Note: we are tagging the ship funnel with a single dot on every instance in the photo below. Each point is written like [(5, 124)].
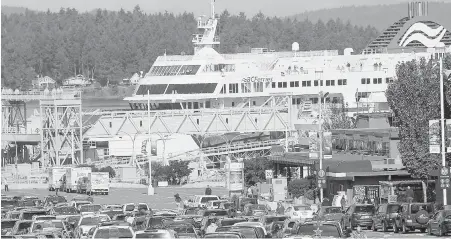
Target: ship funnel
[(417, 9)]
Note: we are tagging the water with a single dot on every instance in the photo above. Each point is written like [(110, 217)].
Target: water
[(88, 104)]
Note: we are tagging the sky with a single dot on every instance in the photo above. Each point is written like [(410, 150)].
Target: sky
[(250, 7)]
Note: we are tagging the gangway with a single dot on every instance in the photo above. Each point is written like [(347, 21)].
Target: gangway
[(201, 121), (260, 147)]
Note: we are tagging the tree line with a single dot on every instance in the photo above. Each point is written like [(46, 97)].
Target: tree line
[(112, 45)]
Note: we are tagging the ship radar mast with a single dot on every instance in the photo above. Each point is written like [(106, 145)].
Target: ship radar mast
[(207, 38)]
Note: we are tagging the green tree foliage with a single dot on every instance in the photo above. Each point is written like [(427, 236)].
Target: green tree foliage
[(176, 170), (109, 46), (254, 170), (303, 187), (414, 98), (109, 170)]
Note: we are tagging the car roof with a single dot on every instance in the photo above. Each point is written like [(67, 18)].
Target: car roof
[(250, 224)]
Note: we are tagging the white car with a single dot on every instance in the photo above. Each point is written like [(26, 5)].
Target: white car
[(215, 204), (112, 230), (299, 212), (77, 204), (89, 221), (201, 200)]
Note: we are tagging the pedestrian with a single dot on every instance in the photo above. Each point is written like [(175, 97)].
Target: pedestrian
[(409, 194), (280, 210), (358, 233), (212, 227), (208, 190), (254, 191), (5, 182), (249, 192), (343, 203), (178, 200), (57, 187)]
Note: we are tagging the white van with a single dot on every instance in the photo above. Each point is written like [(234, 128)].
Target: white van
[(201, 200)]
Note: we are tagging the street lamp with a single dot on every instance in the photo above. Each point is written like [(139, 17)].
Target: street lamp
[(150, 189), (133, 145)]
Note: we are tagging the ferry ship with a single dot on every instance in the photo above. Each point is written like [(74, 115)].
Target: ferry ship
[(209, 79)]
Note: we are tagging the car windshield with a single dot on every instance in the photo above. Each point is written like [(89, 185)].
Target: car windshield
[(257, 207), (231, 222), (129, 207), (90, 208), (332, 210), (29, 215), (65, 210), (47, 224), (248, 232), (8, 224), (78, 204), (154, 235), (8, 203), (326, 230), (269, 220), (207, 199), (73, 219), (393, 208), (418, 207), (215, 213), (93, 220), (57, 199), (366, 208), (302, 208), (222, 235), (180, 228), (142, 206), (113, 232)]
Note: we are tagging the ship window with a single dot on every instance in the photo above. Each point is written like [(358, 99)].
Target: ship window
[(374, 80), (188, 70), (306, 83), (233, 88), (294, 83), (284, 84), (365, 81), (389, 80), (207, 104), (246, 87), (328, 82), (316, 82), (279, 84), (332, 82), (184, 105), (190, 105), (273, 84), (153, 89), (233, 104), (342, 81), (379, 80), (200, 88), (254, 102), (223, 89), (258, 86)]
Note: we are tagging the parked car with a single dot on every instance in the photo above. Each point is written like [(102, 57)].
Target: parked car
[(358, 214), (385, 216), (299, 212), (328, 230), (414, 216), (247, 231), (156, 233), (329, 213), (255, 210), (228, 234), (440, 223)]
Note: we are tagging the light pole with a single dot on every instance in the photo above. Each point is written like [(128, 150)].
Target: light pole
[(442, 117), (133, 161), (150, 189)]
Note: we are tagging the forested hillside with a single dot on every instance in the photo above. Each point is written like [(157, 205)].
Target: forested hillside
[(112, 45), (381, 16)]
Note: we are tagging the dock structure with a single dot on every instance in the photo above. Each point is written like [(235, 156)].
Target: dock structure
[(60, 131)]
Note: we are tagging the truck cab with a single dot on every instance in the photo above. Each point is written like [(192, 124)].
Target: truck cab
[(82, 185)]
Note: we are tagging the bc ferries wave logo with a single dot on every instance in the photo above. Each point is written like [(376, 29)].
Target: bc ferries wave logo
[(428, 36)]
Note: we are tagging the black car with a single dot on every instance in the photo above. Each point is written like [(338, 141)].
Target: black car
[(413, 216), (385, 216), (358, 214), (325, 229), (440, 223)]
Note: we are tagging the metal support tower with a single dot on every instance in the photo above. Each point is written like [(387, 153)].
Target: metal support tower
[(14, 116), (61, 134)]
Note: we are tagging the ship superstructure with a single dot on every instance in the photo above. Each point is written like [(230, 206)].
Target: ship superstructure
[(208, 79)]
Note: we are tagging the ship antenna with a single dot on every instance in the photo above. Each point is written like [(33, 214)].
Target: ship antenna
[(213, 9)]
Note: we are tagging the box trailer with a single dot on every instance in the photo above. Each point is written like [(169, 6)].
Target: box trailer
[(73, 175)]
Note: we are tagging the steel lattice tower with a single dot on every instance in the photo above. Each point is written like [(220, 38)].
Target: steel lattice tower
[(61, 134)]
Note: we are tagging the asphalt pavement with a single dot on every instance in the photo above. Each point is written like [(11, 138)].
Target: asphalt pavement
[(164, 199)]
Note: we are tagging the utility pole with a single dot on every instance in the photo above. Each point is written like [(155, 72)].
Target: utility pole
[(150, 189), (320, 132), (442, 119)]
